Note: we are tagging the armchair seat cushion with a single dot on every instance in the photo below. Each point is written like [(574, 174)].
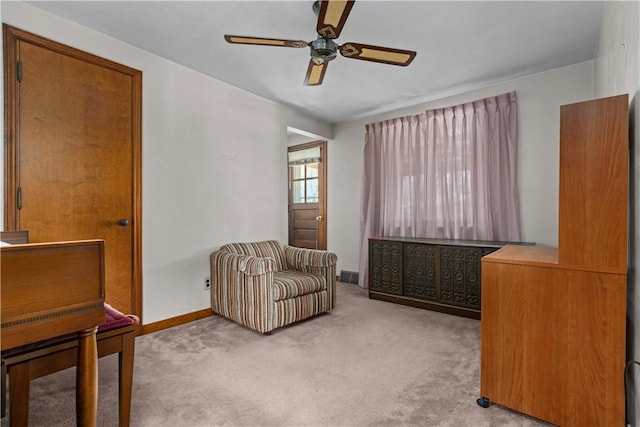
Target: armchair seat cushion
[(292, 283)]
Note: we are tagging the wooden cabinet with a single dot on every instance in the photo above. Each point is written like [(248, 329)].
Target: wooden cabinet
[(553, 320), (440, 275)]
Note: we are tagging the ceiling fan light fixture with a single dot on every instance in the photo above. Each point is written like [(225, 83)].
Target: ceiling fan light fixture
[(323, 50)]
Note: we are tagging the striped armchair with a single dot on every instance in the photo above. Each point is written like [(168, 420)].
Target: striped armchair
[(264, 285)]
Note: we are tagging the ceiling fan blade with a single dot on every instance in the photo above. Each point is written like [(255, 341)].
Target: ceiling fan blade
[(384, 55), (264, 41), (315, 73), (332, 16)]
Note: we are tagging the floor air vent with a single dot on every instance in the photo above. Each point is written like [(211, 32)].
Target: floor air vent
[(348, 276)]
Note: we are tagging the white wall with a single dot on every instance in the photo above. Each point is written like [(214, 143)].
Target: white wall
[(617, 71), (539, 99), (213, 164)]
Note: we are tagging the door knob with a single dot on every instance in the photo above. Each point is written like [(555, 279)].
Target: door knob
[(319, 218), (123, 222)]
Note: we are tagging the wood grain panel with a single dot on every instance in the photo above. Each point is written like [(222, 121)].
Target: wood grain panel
[(595, 347), (34, 280), (553, 342), (14, 236), (502, 319), (517, 327), (50, 289), (76, 178), (594, 153)]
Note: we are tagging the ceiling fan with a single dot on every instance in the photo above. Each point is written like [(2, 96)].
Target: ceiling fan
[(332, 15)]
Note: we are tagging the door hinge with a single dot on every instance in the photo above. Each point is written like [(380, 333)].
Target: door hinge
[(19, 198), (19, 71)]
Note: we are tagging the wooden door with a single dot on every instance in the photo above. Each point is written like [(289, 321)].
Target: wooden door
[(307, 198), (73, 154)]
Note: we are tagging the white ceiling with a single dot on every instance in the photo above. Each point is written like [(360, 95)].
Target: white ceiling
[(461, 45)]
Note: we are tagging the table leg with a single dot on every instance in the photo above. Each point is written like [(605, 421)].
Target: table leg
[(87, 379), (19, 376)]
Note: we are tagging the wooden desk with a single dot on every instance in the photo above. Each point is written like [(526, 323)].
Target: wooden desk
[(553, 320), (553, 337), (49, 290)]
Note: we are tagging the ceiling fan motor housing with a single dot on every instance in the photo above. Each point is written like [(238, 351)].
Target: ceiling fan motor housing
[(323, 50)]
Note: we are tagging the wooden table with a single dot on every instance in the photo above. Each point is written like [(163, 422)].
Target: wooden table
[(49, 290)]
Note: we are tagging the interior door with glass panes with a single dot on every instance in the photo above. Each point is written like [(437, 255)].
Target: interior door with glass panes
[(307, 195)]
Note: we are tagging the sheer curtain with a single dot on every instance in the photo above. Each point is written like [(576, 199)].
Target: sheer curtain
[(447, 173)]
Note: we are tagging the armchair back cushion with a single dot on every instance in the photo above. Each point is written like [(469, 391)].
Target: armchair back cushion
[(267, 249)]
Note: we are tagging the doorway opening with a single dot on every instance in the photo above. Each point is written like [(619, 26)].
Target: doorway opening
[(307, 170)]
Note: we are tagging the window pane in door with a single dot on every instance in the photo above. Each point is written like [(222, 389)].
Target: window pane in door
[(312, 170), (298, 192), (312, 190), (298, 171)]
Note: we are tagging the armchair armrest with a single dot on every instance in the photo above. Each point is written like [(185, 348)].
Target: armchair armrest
[(239, 284), (317, 262), (303, 259)]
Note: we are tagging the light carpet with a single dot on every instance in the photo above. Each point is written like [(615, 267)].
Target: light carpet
[(366, 363)]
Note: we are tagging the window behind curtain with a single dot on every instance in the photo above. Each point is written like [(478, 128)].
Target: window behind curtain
[(447, 173)]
